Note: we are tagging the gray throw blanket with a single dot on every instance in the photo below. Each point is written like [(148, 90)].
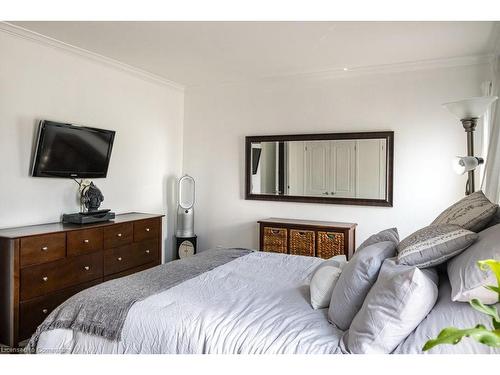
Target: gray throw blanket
[(102, 309)]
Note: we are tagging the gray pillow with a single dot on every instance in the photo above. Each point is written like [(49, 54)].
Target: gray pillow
[(467, 280), (355, 281), (434, 245), (473, 212), (397, 303), (385, 235)]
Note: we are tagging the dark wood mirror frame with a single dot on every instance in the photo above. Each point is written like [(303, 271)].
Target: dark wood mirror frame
[(387, 135)]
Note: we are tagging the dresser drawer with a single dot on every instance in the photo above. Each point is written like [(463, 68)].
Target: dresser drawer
[(84, 241), (42, 249), (302, 242), (33, 312), (118, 235), (42, 279), (130, 271), (146, 230), (125, 257), (275, 240), (330, 244)]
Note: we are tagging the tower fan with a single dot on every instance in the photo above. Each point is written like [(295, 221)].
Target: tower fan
[(185, 237)]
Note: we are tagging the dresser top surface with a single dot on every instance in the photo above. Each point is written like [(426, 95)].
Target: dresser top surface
[(315, 223), (36, 230)]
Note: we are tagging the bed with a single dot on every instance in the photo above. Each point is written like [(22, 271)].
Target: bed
[(258, 303)]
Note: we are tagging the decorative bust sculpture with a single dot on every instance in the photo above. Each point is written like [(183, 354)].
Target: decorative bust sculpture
[(91, 197)]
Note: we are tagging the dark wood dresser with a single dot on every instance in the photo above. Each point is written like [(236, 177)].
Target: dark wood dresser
[(322, 239), (43, 265)]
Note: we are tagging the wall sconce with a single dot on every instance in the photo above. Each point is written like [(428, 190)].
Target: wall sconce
[(463, 164), (469, 111)]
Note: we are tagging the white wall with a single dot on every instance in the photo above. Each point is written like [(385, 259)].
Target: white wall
[(41, 82), (426, 138)]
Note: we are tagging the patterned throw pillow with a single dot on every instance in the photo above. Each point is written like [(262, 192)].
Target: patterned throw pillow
[(434, 245), (495, 220), (473, 212)]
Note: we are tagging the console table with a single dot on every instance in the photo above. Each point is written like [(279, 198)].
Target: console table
[(323, 239), (43, 265)]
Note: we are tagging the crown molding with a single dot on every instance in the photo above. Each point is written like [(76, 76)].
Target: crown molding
[(32, 36), (340, 73), (327, 74), (408, 66)]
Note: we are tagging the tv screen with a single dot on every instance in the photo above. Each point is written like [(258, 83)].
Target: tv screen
[(66, 150)]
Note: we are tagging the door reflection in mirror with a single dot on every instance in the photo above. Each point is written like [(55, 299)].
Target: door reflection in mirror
[(340, 168)]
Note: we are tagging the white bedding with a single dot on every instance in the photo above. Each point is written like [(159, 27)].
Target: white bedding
[(258, 303)]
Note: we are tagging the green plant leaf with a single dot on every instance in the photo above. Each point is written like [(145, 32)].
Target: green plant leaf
[(496, 325), (454, 335), (488, 310)]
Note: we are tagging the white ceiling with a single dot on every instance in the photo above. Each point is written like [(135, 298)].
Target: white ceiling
[(194, 53)]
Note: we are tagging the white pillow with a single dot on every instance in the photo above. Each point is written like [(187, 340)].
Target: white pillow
[(324, 279)]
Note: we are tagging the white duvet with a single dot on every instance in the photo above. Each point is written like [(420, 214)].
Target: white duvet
[(258, 303)]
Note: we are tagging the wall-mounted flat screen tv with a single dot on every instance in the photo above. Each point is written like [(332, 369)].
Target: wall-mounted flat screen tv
[(66, 150)]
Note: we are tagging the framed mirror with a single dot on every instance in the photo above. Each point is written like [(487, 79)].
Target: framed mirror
[(335, 168)]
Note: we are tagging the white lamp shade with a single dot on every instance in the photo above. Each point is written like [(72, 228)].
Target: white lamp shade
[(464, 164), (470, 108)]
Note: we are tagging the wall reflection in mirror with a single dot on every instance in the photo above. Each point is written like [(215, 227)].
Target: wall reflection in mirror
[(331, 168)]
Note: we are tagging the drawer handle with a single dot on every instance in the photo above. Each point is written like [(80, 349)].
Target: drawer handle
[(45, 278), (119, 259), (86, 268), (45, 248), (302, 233), (147, 229), (147, 251), (45, 311), (119, 235), (275, 231), (332, 236), (85, 241)]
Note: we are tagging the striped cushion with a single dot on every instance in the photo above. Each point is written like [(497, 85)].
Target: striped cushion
[(473, 212), (434, 245)]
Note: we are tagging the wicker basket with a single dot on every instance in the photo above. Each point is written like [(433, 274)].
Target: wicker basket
[(275, 240), (330, 244), (302, 242)]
